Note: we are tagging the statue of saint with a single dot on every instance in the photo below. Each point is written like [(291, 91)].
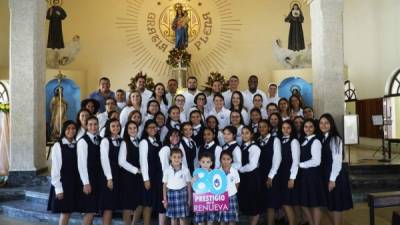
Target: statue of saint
[(181, 27), (58, 109), (55, 14), (296, 37)]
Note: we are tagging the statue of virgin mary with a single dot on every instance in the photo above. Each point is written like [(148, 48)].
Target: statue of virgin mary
[(180, 26), (58, 109)]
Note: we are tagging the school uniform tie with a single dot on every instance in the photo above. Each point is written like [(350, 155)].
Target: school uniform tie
[(177, 126), (96, 140), (226, 146), (191, 144), (206, 146), (285, 140)]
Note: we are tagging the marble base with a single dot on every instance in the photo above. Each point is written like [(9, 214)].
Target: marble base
[(27, 178)]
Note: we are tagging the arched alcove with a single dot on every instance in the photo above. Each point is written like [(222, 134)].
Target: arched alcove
[(289, 84)]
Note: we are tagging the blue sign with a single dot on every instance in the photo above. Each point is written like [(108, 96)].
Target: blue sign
[(214, 182)]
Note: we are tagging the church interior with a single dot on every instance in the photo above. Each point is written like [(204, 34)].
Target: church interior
[(348, 65)]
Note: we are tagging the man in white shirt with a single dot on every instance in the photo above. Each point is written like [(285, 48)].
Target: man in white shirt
[(216, 88), (191, 92), (233, 86), (121, 99), (273, 94), (111, 105), (141, 87), (253, 90), (172, 87), (219, 111)]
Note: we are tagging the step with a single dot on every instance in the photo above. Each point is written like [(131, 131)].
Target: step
[(374, 169), (39, 195), (361, 195), (375, 181)]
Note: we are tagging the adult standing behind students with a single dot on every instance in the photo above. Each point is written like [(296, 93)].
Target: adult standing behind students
[(253, 90), (145, 93), (103, 93), (172, 87), (190, 93), (216, 88), (233, 86), (272, 94)]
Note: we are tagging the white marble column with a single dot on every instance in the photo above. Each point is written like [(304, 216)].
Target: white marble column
[(27, 84), (327, 58)]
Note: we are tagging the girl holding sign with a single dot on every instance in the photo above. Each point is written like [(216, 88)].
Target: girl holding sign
[(232, 215), (177, 191), (249, 176)]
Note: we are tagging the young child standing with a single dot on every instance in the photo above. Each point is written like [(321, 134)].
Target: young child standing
[(210, 146), (207, 218), (232, 215), (288, 171), (177, 191), (249, 177)]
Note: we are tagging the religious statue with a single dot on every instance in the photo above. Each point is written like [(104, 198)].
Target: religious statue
[(61, 57), (58, 109), (55, 14), (181, 27), (296, 37), (292, 59)]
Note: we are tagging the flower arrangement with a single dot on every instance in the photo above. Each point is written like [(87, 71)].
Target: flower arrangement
[(4, 107), (213, 77), (179, 58), (149, 81)]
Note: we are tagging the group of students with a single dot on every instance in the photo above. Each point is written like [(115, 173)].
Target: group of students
[(145, 165)]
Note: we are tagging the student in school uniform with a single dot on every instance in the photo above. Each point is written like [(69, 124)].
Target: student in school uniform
[(64, 174), (150, 166), (335, 175), (81, 118), (298, 123), (236, 120), (296, 106), (189, 146), (209, 145), (153, 107), (109, 200), (269, 162), (134, 103), (136, 117), (255, 118), (272, 108), (212, 123), (231, 146), (172, 140), (288, 170), (89, 167), (237, 103), (177, 190), (110, 106), (206, 162), (111, 115), (275, 122), (249, 177), (284, 110), (160, 96), (180, 102), (220, 111), (216, 88), (160, 120), (173, 121), (200, 102), (232, 215), (131, 181), (311, 187), (258, 104), (198, 127)]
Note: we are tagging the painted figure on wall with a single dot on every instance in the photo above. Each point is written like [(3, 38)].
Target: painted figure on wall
[(181, 26), (296, 37), (58, 109), (55, 14)]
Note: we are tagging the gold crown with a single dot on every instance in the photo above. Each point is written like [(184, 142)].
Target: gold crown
[(178, 5)]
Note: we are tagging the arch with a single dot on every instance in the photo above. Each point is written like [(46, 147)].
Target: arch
[(4, 95), (393, 84), (349, 91), (306, 89)]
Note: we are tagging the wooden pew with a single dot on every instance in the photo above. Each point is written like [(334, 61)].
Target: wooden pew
[(381, 200)]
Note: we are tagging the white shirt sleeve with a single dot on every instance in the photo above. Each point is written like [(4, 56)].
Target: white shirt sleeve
[(105, 161), (315, 156), (187, 175), (220, 137), (237, 177), (164, 132), (123, 117), (122, 160), (165, 176), (254, 155), (276, 158), (295, 147), (56, 163), (217, 163), (184, 161), (82, 149), (237, 158), (337, 151), (246, 118), (144, 166), (164, 157)]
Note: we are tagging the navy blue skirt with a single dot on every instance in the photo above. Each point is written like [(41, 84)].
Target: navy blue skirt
[(311, 190), (65, 205), (250, 187), (340, 198), (131, 190), (288, 196), (154, 196), (109, 199)]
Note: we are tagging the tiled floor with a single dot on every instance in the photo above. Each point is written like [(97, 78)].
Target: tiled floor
[(358, 216), (368, 156)]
